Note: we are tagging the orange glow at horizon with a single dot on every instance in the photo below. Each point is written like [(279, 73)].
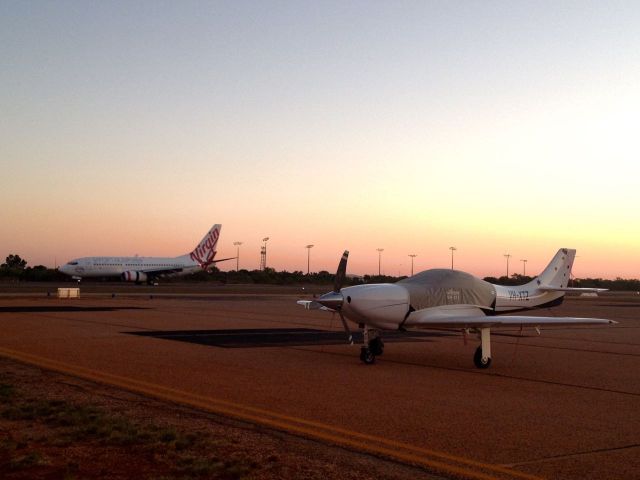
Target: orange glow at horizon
[(515, 140)]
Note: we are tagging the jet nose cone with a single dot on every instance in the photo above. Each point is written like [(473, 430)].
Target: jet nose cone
[(332, 300)]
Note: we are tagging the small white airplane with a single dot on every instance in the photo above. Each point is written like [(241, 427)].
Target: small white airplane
[(449, 299), (147, 269)]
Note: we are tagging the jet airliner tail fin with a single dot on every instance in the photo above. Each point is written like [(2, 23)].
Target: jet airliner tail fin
[(205, 251)]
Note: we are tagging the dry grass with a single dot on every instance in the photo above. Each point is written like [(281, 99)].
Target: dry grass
[(66, 424)]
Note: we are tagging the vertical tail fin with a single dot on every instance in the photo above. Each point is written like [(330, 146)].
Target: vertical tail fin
[(558, 272), (205, 251)]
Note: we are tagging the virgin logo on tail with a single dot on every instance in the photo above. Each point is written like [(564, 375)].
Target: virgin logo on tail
[(204, 253)]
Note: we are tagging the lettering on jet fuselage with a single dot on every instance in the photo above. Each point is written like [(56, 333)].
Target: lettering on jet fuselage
[(521, 295)]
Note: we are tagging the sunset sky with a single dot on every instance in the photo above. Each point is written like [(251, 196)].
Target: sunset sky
[(496, 127)]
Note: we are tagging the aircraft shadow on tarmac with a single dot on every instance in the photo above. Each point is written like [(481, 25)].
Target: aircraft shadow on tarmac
[(66, 308), (278, 337)]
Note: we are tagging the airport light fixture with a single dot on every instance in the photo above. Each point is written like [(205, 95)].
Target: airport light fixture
[(412, 255), (380, 250), (263, 253), (453, 249), (237, 244), (524, 266), (507, 256), (308, 247)]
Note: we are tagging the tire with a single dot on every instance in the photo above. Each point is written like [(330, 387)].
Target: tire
[(376, 346), (477, 359), (367, 356)]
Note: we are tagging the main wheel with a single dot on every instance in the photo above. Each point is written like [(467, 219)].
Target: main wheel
[(367, 356), (477, 359), (377, 346)]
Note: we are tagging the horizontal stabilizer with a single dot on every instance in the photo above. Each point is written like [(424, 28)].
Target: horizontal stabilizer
[(224, 259), (548, 288)]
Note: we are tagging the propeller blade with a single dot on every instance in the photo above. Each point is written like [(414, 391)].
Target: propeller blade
[(342, 270), (346, 327)]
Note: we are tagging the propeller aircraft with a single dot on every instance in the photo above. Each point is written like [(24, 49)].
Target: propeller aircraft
[(449, 299)]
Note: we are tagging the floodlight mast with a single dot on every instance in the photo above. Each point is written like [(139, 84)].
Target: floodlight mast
[(524, 266), (453, 249), (308, 247), (380, 250), (237, 244), (263, 253), (412, 255)]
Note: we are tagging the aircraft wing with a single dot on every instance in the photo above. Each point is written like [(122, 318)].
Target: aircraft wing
[(156, 272), (471, 316)]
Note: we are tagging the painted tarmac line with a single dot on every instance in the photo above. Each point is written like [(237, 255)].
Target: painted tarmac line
[(572, 455), (437, 462)]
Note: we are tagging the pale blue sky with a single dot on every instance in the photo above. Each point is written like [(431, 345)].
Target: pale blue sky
[(264, 115)]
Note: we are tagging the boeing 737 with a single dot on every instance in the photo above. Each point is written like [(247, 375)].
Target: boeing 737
[(450, 299), (147, 269)]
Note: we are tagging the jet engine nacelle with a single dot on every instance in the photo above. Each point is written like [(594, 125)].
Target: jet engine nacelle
[(133, 276), (382, 305)]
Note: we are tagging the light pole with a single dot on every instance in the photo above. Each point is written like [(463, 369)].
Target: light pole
[(507, 255), (237, 244), (308, 247), (412, 255), (263, 253), (380, 250), (453, 249), (524, 267)]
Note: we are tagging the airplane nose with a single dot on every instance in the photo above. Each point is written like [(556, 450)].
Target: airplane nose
[(332, 300), (66, 269)]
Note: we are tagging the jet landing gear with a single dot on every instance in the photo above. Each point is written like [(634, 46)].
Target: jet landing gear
[(373, 346), (482, 357)]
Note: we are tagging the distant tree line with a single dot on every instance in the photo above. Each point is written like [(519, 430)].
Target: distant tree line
[(619, 284), (514, 280), (272, 277), (15, 269)]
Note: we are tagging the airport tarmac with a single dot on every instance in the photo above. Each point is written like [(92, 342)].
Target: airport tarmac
[(565, 404)]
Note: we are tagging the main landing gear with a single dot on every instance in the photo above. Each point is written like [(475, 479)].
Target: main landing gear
[(373, 345), (482, 357)]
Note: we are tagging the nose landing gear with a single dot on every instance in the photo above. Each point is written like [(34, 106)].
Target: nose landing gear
[(373, 346), (367, 356)]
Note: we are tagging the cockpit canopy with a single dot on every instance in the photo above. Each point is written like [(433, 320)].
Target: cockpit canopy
[(440, 286)]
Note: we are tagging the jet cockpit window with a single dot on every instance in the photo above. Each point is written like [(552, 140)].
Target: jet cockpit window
[(72, 263)]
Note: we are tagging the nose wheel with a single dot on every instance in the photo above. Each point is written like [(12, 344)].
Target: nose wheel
[(373, 346), (367, 356)]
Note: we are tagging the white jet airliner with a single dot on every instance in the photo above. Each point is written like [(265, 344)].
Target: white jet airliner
[(449, 299), (147, 269)]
